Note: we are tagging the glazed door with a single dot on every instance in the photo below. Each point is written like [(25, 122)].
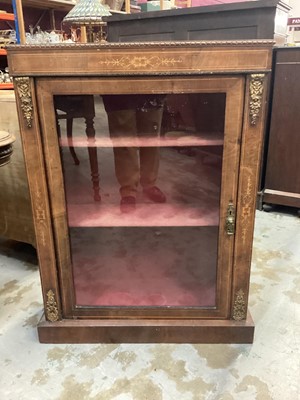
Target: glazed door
[(143, 181)]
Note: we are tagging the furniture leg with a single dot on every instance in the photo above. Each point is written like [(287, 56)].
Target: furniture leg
[(90, 132), (70, 141)]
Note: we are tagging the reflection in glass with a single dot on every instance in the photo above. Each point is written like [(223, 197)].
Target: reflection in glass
[(137, 116), (160, 248)]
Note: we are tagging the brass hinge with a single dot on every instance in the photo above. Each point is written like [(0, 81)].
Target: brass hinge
[(230, 219)]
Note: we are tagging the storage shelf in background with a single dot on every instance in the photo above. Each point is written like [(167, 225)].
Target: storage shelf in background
[(6, 85), (63, 5), (203, 139)]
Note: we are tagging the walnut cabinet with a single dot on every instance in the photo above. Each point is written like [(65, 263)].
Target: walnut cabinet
[(101, 122)]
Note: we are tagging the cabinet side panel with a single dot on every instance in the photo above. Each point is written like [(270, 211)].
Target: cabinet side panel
[(247, 189), (34, 159), (57, 194)]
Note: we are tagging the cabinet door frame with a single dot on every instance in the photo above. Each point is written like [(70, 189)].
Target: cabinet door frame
[(249, 170), (46, 88)]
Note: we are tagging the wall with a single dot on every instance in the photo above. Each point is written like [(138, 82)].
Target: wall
[(295, 4), (293, 32)]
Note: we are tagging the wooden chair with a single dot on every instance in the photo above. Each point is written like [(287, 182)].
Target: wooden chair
[(80, 106)]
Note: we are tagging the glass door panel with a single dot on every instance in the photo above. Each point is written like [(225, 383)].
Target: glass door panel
[(142, 177)]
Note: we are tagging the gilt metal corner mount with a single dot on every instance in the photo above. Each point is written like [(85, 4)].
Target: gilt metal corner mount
[(256, 92), (24, 93)]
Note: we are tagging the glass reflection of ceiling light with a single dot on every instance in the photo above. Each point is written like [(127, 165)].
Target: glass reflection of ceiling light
[(89, 13)]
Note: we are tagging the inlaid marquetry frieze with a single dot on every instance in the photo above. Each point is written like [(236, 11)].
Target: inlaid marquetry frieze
[(140, 62), (150, 58), (23, 89), (256, 92)]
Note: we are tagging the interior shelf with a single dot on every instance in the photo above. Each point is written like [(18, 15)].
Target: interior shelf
[(146, 215), (195, 139)]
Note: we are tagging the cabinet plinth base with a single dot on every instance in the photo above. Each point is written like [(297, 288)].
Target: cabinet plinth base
[(146, 331), (281, 198)]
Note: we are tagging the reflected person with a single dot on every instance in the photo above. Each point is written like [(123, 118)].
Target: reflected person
[(131, 116)]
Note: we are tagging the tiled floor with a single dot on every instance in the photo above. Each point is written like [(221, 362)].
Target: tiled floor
[(269, 369)]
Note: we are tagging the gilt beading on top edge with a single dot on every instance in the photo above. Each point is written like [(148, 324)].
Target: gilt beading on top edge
[(204, 43)]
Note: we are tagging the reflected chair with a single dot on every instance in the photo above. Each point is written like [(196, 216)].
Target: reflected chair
[(77, 106)]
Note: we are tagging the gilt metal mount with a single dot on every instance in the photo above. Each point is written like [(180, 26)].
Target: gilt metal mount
[(52, 313), (256, 92), (230, 220), (239, 307), (24, 92)]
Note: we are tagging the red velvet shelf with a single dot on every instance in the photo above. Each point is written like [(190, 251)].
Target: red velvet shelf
[(158, 275), (203, 139), (146, 215)]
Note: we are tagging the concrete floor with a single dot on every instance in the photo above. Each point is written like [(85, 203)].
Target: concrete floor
[(269, 369)]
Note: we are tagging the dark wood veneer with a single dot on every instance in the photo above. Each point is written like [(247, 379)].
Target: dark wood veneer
[(282, 177), (189, 67)]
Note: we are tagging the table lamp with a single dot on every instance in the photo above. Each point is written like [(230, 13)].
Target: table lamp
[(89, 13)]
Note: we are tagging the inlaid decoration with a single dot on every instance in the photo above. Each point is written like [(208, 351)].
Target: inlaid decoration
[(256, 92), (140, 62), (40, 214), (239, 307), (51, 307), (247, 198), (24, 92)]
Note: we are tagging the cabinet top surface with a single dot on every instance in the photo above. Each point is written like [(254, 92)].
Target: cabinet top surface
[(287, 48), (188, 57), (230, 7)]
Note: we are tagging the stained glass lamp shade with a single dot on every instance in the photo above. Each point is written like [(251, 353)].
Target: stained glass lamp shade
[(88, 13)]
